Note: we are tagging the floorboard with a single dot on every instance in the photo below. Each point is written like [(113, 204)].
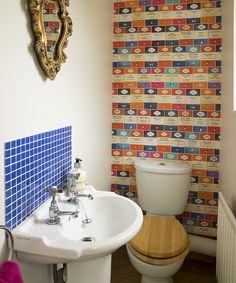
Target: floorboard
[(196, 269)]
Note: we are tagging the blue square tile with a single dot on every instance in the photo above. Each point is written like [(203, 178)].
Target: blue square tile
[(13, 144), (7, 145)]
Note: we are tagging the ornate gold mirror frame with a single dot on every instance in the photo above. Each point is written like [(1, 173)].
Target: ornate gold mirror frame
[(51, 27)]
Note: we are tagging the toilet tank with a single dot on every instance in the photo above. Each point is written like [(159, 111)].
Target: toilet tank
[(163, 186)]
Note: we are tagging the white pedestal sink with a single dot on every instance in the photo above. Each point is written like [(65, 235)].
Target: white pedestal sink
[(86, 248)]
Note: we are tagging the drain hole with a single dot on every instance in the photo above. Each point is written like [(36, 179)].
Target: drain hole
[(88, 239)]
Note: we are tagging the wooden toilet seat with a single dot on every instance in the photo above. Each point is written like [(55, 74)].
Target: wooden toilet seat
[(162, 240)]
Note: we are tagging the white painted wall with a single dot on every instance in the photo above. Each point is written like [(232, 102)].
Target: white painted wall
[(80, 96), (228, 136)]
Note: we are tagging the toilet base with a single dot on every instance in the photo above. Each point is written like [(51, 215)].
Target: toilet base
[(155, 273), (146, 279)]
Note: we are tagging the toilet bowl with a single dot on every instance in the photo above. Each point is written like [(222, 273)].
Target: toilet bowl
[(160, 247)]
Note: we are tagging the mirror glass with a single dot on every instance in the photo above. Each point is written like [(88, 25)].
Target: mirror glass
[(52, 27)]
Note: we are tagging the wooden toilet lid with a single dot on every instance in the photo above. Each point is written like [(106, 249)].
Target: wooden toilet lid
[(158, 261), (160, 237)]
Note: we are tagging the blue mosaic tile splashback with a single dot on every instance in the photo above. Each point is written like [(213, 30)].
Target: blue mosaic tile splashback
[(32, 164)]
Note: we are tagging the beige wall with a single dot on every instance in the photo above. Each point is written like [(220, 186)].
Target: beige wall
[(228, 136), (80, 96)]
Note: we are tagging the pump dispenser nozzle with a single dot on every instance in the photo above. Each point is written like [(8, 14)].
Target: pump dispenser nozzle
[(77, 163)]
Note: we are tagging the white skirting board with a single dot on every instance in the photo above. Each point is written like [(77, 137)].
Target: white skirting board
[(202, 245)]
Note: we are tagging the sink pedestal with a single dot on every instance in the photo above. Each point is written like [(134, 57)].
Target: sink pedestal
[(92, 271)]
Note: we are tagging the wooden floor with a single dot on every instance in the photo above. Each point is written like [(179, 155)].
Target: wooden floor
[(196, 269)]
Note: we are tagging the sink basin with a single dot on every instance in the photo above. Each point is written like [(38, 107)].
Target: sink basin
[(115, 221)]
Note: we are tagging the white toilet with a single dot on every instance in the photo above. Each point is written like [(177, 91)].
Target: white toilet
[(158, 250)]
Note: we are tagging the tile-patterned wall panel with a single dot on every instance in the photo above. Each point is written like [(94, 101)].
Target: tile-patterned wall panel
[(32, 164), (166, 96)]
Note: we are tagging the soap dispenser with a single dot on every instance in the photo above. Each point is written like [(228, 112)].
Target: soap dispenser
[(81, 181)]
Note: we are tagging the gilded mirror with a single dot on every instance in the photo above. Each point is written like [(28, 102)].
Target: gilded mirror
[(51, 27)]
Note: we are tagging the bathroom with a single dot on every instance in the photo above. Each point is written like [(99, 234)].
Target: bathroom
[(81, 97)]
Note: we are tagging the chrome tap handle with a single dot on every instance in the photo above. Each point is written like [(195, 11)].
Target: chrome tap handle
[(52, 191), (73, 176), (53, 209)]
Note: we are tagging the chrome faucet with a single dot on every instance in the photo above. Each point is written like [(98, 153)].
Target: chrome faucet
[(78, 195), (54, 211), (71, 190)]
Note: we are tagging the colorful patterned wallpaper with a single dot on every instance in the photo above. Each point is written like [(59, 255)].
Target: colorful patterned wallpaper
[(166, 96)]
